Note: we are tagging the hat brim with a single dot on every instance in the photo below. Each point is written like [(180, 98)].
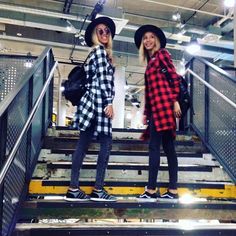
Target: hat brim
[(100, 20), (149, 28)]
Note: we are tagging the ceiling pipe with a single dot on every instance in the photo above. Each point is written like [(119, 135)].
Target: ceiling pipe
[(75, 18), (39, 12), (186, 8), (228, 16)]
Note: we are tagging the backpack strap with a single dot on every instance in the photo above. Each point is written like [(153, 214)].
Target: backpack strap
[(88, 57)]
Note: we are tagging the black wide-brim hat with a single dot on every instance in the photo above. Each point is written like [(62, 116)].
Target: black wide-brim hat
[(149, 28), (100, 20)]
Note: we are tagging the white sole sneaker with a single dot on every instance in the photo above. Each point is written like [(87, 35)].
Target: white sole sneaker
[(75, 199), (102, 200), (172, 200), (146, 199)]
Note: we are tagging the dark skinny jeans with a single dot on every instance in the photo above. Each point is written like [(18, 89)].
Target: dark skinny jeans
[(80, 152), (166, 138)]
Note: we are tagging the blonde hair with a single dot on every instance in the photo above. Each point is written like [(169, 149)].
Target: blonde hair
[(108, 46), (143, 53)]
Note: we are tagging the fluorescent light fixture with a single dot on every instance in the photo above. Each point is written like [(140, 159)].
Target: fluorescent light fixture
[(28, 64), (229, 3), (129, 116), (119, 22), (176, 16), (193, 47), (126, 87), (69, 28)]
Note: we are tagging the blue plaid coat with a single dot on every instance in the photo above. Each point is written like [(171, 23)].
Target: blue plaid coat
[(100, 93)]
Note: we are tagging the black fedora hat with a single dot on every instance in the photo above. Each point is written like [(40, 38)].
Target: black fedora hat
[(149, 28), (100, 20)]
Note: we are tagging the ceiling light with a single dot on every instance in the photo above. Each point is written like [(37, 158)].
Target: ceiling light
[(28, 64), (181, 32), (135, 102), (129, 116), (126, 87), (193, 47), (229, 3), (176, 16), (69, 28)]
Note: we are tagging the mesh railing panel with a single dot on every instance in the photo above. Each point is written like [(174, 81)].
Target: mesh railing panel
[(15, 116), (15, 179), (36, 134), (215, 119), (199, 97), (14, 183), (11, 70)]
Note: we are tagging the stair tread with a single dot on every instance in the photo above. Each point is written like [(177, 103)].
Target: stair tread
[(133, 203), (86, 182), (121, 164), (125, 152), (132, 227), (131, 166)]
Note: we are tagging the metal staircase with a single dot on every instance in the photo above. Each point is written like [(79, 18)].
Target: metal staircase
[(35, 164), (205, 189)]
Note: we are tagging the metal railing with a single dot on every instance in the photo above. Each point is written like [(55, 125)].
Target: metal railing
[(213, 93), (24, 117)]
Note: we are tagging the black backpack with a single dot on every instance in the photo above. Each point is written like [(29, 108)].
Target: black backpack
[(76, 85), (184, 98)]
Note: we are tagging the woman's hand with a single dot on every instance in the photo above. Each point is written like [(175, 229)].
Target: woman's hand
[(144, 119), (177, 110), (109, 111)]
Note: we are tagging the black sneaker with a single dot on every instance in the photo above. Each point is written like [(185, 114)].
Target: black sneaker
[(77, 195), (147, 197), (102, 196), (168, 196)]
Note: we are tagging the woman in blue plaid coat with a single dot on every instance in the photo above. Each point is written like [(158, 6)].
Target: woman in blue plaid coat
[(95, 111)]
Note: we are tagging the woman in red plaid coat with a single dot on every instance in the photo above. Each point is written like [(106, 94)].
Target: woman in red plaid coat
[(161, 108)]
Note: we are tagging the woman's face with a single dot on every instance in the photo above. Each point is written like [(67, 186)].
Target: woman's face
[(150, 41), (103, 33)]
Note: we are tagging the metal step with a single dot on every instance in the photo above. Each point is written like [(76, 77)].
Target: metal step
[(131, 167), (108, 227), (128, 166), (211, 190), (128, 209)]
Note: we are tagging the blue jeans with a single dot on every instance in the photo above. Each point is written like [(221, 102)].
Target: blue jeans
[(166, 138), (80, 152)]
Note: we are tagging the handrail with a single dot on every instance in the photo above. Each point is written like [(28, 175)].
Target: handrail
[(29, 73), (214, 67), (27, 125), (211, 88)]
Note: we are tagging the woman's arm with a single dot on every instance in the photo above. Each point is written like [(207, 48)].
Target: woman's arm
[(147, 107), (166, 60), (104, 72)]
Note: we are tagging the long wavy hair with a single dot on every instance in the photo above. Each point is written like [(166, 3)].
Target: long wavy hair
[(108, 46), (143, 53)]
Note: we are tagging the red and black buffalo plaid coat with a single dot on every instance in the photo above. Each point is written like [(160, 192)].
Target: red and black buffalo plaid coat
[(159, 96)]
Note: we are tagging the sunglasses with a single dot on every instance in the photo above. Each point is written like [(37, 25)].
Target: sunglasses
[(105, 31)]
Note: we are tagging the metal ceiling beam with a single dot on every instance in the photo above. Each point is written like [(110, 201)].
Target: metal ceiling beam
[(67, 6), (203, 53), (38, 12), (186, 8)]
